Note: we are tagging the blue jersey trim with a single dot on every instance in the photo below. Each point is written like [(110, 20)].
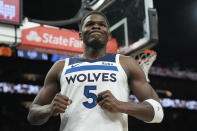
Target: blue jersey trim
[(91, 67), (109, 57)]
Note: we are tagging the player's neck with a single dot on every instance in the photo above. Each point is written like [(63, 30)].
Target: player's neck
[(93, 54)]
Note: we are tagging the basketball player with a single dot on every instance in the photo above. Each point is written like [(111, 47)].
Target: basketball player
[(91, 91)]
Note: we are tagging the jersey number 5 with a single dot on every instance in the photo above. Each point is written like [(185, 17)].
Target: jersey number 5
[(91, 96)]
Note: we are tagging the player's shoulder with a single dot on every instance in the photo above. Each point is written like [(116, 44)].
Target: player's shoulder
[(59, 63), (126, 59), (128, 63)]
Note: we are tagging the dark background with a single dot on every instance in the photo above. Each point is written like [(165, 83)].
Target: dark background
[(177, 30), (176, 49)]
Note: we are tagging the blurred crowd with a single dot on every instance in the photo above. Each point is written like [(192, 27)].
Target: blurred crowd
[(174, 73)]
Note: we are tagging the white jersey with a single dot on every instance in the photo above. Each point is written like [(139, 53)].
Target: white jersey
[(81, 80)]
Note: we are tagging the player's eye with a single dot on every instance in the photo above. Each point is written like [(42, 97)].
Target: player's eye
[(102, 25), (89, 24)]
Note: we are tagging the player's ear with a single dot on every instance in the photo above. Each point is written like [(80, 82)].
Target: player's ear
[(80, 36)]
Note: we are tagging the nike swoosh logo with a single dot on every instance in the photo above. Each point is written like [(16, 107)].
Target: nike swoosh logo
[(74, 65)]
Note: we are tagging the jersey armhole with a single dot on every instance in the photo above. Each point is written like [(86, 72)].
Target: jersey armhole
[(66, 62), (120, 66)]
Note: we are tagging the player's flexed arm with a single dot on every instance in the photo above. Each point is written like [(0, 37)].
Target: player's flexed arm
[(149, 109), (48, 102)]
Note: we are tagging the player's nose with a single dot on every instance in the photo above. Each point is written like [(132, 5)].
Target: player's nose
[(96, 26)]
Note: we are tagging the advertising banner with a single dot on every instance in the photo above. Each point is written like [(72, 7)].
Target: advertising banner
[(56, 41), (10, 11)]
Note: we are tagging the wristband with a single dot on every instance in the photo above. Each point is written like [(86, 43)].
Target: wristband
[(158, 111)]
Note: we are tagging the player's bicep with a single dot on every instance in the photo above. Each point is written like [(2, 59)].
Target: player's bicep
[(143, 91), (51, 86), (46, 95), (139, 85)]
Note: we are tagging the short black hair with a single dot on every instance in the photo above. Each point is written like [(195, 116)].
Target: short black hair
[(90, 13)]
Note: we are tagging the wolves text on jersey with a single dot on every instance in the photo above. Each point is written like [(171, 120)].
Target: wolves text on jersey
[(91, 77)]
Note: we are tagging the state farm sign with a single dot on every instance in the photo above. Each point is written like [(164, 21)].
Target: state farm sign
[(48, 38), (56, 41)]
